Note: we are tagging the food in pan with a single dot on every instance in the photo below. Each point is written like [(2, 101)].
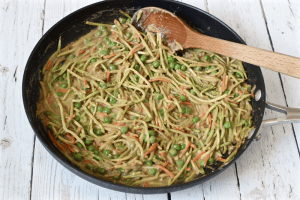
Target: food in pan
[(119, 104)]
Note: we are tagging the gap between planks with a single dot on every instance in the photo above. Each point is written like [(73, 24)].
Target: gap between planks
[(280, 78)]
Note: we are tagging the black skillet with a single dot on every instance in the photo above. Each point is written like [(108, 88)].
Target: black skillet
[(73, 26)]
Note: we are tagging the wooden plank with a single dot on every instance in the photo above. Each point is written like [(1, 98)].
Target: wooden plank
[(223, 186), (269, 168), (20, 29), (284, 31), (50, 179)]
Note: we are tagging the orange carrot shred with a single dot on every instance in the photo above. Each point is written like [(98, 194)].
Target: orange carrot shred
[(108, 74), (193, 146), (70, 148), (156, 121), (188, 169), (137, 48), (80, 52), (185, 150), (198, 156), (102, 114), (224, 83), (55, 142), (163, 154), (228, 99), (93, 50), (109, 56), (165, 170), (241, 93), (62, 90), (85, 83), (48, 64), (169, 106), (165, 164), (51, 99), (209, 119), (160, 79), (187, 103), (180, 73), (221, 159), (71, 137), (146, 184), (151, 149), (170, 97), (206, 159)]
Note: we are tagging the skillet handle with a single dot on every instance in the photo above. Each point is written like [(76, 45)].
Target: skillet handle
[(292, 115)]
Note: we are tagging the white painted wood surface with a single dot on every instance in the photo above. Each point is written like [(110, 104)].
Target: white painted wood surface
[(269, 169)]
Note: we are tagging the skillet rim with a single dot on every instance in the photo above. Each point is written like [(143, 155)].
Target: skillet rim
[(120, 187)]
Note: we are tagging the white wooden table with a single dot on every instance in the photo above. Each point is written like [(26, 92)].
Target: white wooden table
[(269, 169)]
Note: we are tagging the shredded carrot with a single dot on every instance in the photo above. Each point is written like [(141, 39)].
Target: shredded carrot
[(165, 170), (98, 143), (179, 129), (87, 161), (163, 154), (151, 149), (185, 150), (133, 43), (137, 36), (169, 106), (111, 168), (228, 99), (221, 159), (118, 124), (114, 34), (108, 74), (166, 164), (86, 56), (146, 184), (80, 52), (156, 121), (182, 91), (187, 103), (181, 115), (198, 156), (70, 148), (109, 56), (252, 94), (62, 90), (170, 97), (55, 142), (102, 114), (135, 135), (160, 79), (224, 83), (241, 93), (48, 64), (180, 73), (209, 119), (51, 99), (93, 50), (71, 137), (119, 163), (85, 83), (188, 169), (193, 146), (157, 56), (206, 159), (137, 48)]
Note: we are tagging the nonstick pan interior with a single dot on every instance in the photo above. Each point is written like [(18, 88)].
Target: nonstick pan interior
[(73, 26)]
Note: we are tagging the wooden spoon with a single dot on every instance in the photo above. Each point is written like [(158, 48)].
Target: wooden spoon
[(179, 35)]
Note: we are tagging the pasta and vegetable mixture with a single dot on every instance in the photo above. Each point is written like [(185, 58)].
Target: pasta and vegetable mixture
[(122, 106)]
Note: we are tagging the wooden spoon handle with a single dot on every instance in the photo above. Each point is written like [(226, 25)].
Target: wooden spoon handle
[(274, 61)]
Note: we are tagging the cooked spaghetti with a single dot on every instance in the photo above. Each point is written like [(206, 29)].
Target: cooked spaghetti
[(119, 104)]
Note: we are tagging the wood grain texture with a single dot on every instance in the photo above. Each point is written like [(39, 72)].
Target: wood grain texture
[(20, 29), (269, 169), (284, 31)]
